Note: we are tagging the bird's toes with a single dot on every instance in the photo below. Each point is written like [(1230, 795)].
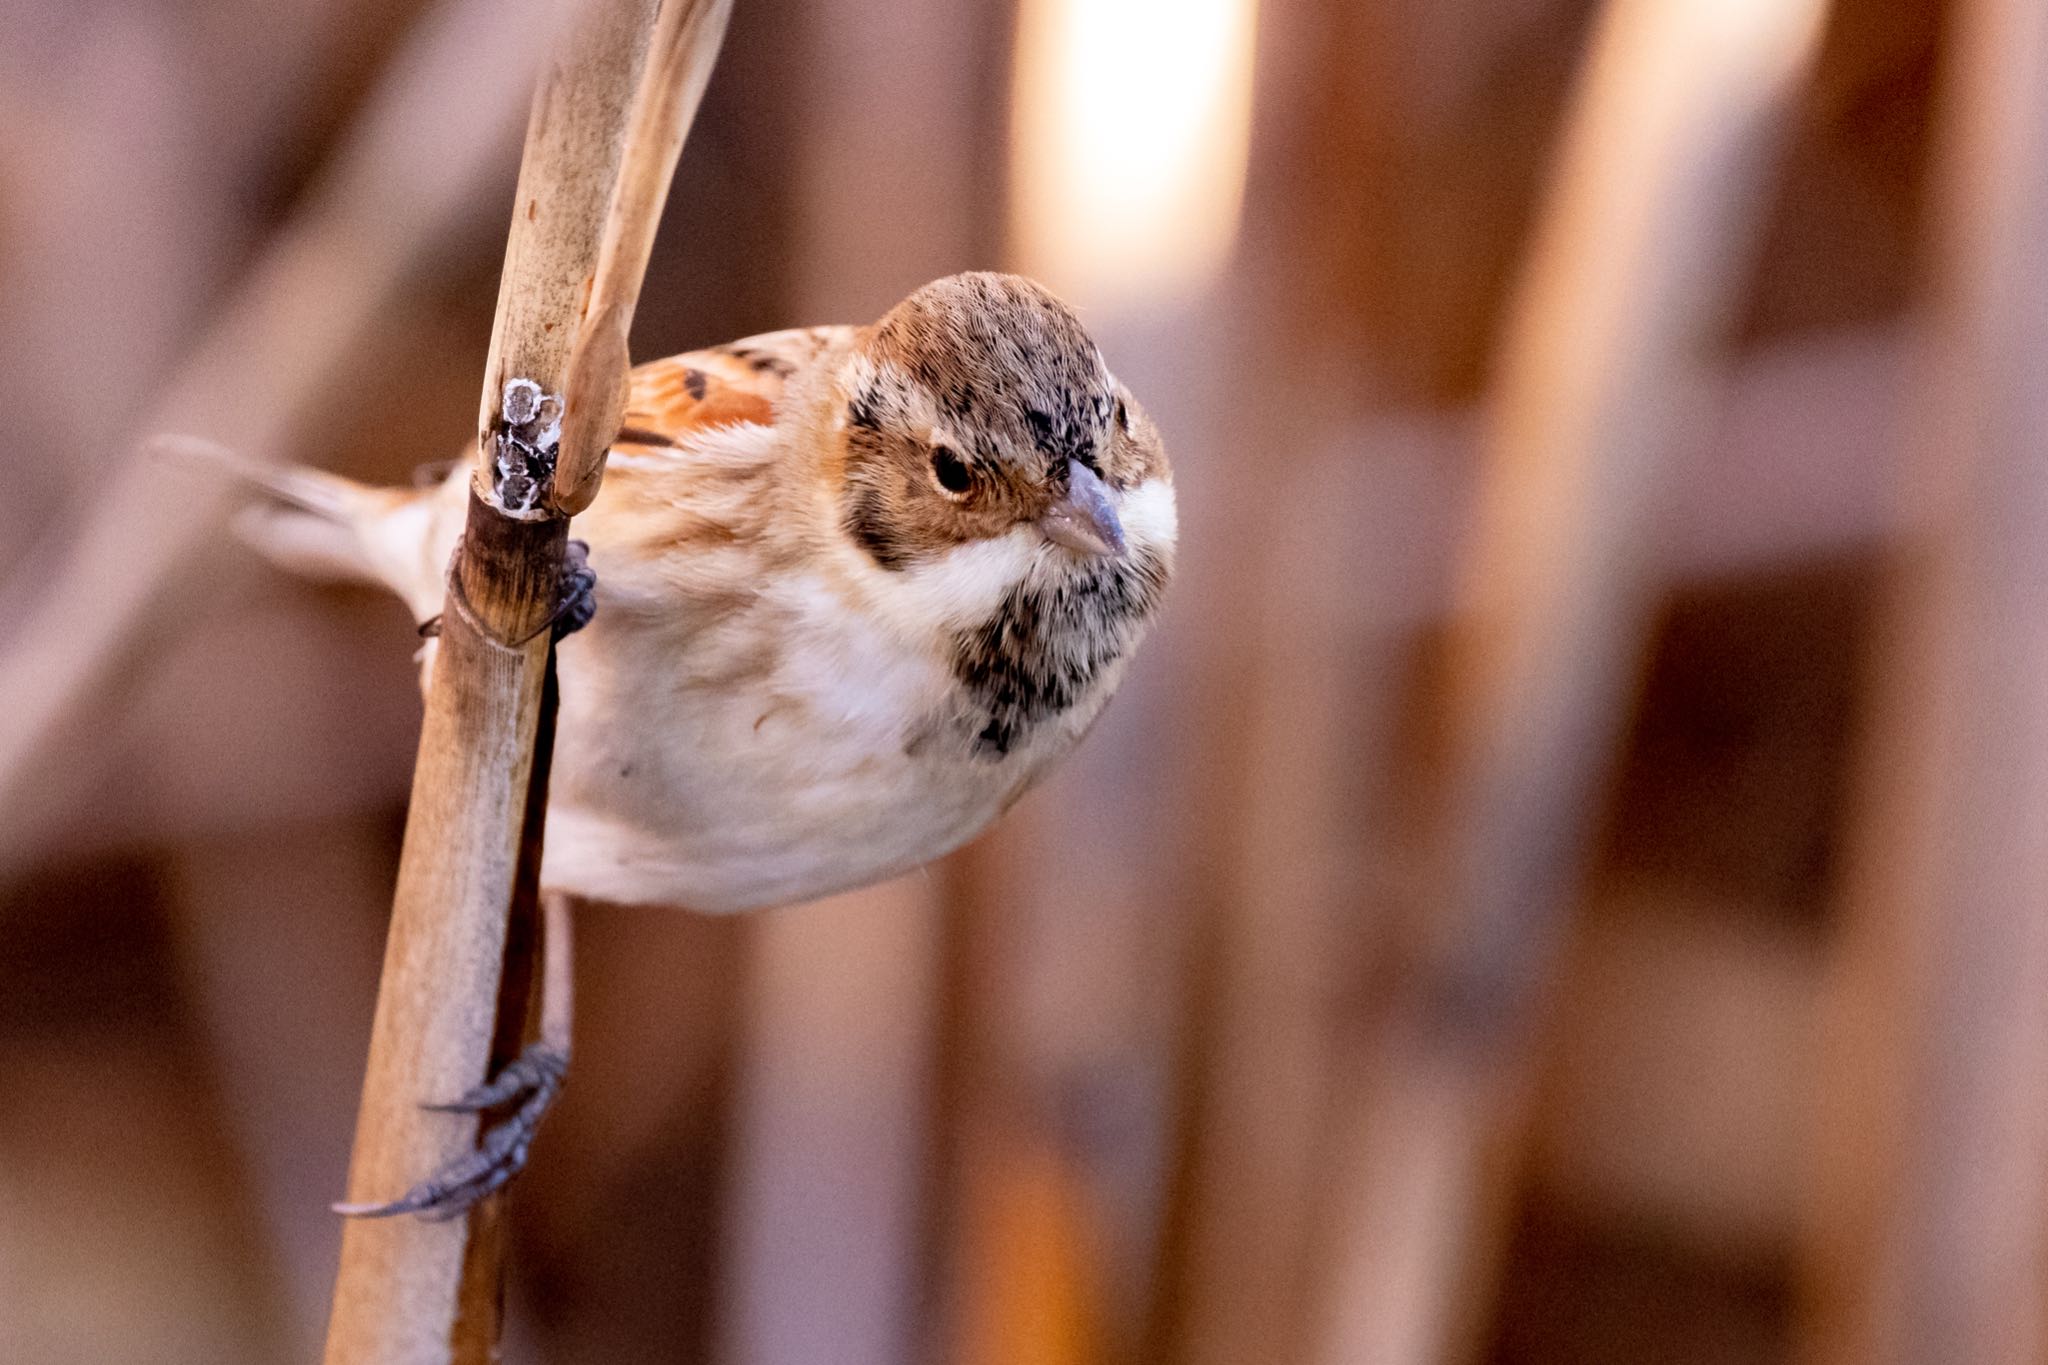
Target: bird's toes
[(530, 1082), (537, 1071), (577, 602)]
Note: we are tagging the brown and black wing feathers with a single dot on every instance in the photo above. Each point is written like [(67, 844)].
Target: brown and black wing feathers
[(740, 382)]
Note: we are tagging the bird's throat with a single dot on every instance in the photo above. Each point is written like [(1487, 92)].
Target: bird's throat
[(1048, 643)]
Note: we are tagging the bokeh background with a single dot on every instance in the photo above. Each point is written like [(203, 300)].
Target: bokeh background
[(1567, 883)]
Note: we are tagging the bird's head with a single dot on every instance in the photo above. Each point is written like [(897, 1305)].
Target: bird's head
[(979, 409)]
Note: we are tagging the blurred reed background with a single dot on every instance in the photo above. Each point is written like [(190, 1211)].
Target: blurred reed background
[(1567, 883)]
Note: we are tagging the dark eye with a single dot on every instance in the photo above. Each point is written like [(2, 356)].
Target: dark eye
[(1123, 419), (952, 473)]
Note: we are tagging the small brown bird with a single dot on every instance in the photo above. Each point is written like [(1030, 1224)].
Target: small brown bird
[(858, 588)]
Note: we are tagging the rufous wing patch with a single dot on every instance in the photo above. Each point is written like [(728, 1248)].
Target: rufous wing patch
[(673, 398)]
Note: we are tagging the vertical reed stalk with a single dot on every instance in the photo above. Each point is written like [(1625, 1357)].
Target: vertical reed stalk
[(608, 120)]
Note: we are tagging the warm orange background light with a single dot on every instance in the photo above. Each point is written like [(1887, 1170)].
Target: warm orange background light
[(1131, 132)]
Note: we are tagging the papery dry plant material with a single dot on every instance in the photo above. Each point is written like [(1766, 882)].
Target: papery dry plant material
[(417, 161), (1929, 1220), (1634, 269), (608, 121)]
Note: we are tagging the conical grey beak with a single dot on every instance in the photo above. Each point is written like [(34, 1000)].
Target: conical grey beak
[(1084, 521)]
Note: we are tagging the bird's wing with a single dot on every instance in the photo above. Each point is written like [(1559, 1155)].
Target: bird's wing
[(672, 400), (691, 482), (678, 473)]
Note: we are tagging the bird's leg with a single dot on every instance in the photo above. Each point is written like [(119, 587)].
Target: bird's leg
[(526, 1087)]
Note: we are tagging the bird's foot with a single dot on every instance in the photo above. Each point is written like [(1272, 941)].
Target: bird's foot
[(578, 600), (574, 606), (528, 1088)]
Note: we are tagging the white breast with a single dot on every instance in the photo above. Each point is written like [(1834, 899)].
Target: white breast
[(734, 781)]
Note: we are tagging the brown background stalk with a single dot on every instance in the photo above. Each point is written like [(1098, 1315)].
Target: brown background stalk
[(576, 240)]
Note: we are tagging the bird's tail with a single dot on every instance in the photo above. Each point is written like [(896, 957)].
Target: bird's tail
[(323, 526)]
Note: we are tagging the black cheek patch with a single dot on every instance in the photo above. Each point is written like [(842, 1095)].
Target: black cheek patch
[(867, 521), (867, 510)]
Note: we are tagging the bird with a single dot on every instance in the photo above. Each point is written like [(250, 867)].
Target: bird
[(858, 589)]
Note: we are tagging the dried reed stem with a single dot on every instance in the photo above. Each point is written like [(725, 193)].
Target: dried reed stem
[(608, 120)]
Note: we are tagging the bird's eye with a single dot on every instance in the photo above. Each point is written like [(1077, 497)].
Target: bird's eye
[(951, 471), (1123, 418)]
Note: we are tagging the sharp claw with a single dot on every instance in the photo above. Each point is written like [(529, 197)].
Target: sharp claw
[(539, 1068), (534, 1078)]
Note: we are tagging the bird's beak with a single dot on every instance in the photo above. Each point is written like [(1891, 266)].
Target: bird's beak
[(1084, 521)]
